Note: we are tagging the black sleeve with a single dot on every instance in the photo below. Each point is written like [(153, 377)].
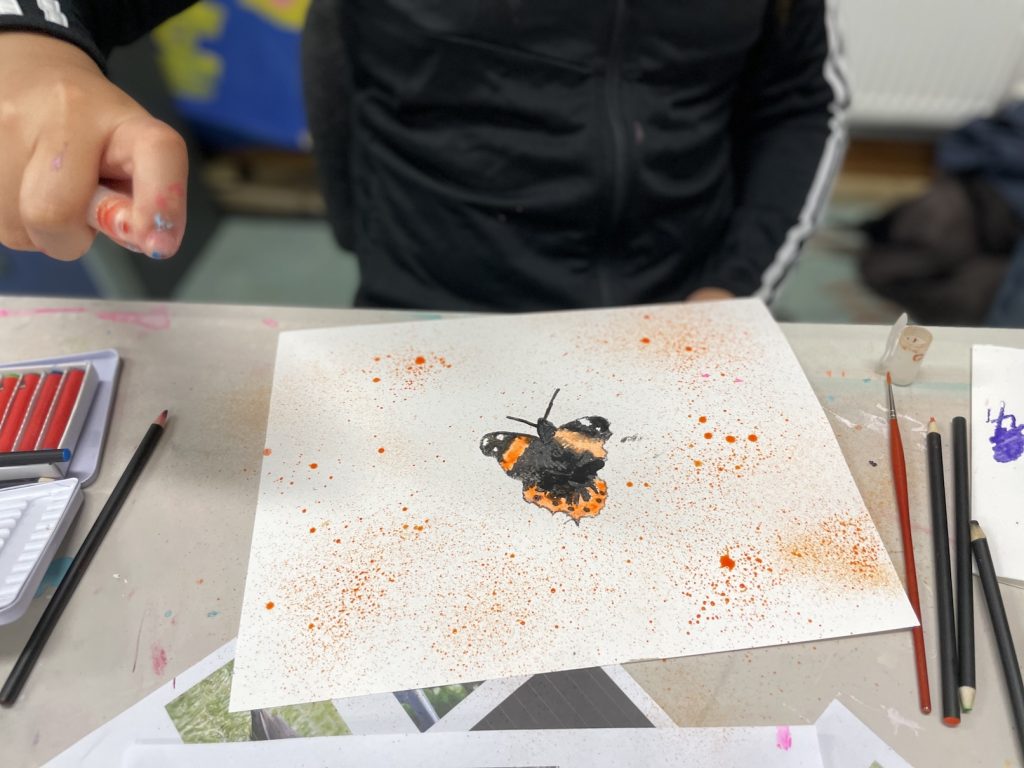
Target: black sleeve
[(95, 26), (788, 143)]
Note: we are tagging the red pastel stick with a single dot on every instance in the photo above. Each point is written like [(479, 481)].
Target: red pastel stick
[(40, 411), (16, 413), (7, 386), (62, 410)]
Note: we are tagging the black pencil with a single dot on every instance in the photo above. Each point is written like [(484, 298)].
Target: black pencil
[(1000, 628), (943, 581), (964, 575), (36, 642), (27, 458)]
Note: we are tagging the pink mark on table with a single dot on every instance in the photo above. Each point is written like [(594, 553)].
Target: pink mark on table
[(270, 322), (737, 380), (154, 320), (705, 375), (158, 657), (783, 738)]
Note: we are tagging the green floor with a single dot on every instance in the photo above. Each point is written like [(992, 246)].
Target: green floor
[(296, 262)]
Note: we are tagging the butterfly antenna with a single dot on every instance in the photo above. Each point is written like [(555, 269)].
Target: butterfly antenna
[(522, 421), (548, 411)]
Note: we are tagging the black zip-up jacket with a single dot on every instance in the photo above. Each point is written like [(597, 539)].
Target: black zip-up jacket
[(536, 154)]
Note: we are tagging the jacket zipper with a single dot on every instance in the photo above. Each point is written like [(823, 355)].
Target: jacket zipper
[(613, 112)]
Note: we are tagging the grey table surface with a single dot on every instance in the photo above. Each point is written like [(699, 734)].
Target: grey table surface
[(168, 580)]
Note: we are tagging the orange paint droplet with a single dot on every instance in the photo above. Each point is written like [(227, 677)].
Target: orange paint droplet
[(752, 438), (312, 530), (455, 630), (420, 360), (314, 465), (267, 451), (380, 450), (310, 625), (698, 463), (270, 605), (707, 435), (552, 590), (405, 509), (337, 541), (647, 485), (521, 621), (376, 379), (629, 483), (727, 562), (730, 439), (417, 527), (703, 419), (405, 526), (689, 349)]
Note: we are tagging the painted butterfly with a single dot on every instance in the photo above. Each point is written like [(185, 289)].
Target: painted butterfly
[(558, 468)]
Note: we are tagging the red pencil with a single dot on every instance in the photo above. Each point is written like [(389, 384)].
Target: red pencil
[(16, 413), (66, 398), (8, 384), (40, 410), (899, 478)]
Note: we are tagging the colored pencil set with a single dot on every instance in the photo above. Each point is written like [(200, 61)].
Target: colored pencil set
[(955, 626), (42, 412)]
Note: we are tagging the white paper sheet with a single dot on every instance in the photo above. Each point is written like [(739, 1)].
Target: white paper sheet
[(389, 552), (847, 743), (997, 454), (599, 748)]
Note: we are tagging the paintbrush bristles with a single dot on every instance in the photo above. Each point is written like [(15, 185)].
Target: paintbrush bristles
[(933, 425), (892, 400)]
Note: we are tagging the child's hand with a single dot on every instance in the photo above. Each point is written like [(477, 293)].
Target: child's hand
[(63, 128)]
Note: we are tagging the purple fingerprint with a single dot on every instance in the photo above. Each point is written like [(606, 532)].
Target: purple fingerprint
[(1007, 441)]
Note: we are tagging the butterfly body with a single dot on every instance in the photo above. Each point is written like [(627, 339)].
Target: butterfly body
[(558, 466)]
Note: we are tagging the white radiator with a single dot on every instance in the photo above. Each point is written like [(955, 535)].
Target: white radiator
[(930, 64)]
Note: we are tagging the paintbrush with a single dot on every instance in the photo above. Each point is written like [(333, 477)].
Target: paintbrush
[(899, 479)]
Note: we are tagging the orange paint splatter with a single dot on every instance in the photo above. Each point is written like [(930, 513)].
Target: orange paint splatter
[(698, 463), (629, 483), (455, 630), (727, 562), (645, 340), (707, 435), (270, 605), (314, 465), (420, 360), (752, 438), (730, 439), (703, 419), (312, 530), (552, 590), (311, 625), (337, 541), (381, 449), (267, 451), (376, 379)]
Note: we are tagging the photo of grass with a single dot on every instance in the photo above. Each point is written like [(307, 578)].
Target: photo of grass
[(201, 716), (428, 705)]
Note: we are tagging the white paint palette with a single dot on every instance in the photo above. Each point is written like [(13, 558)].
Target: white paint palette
[(33, 521)]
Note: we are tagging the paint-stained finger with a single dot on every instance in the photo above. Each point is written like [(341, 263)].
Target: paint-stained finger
[(12, 233), (153, 156), (54, 196)]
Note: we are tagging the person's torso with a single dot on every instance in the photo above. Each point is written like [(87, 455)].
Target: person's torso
[(536, 153)]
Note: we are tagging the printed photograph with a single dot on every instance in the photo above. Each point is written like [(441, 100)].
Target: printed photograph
[(201, 716), (425, 707)]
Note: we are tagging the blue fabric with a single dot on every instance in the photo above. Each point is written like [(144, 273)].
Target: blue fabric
[(1007, 310), (994, 148)]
